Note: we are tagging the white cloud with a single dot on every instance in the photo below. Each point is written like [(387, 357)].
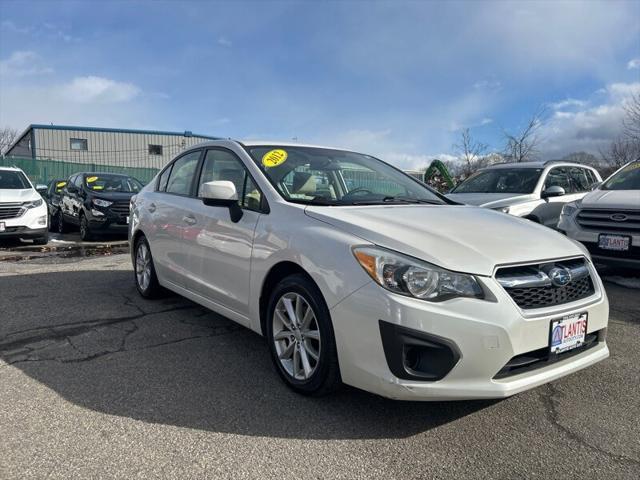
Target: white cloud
[(633, 64), (591, 128), (23, 63), (568, 103), (98, 89), (224, 41)]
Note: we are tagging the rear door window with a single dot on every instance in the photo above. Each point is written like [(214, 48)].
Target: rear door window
[(579, 179), (183, 173)]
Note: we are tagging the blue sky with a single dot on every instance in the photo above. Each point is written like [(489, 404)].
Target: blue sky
[(395, 79)]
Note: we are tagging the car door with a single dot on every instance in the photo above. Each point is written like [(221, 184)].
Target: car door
[(66, 201), (549, 211), (222, 248), (171, 222)]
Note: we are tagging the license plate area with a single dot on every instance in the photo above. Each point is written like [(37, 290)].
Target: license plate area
[(619, 243), (567, 333)]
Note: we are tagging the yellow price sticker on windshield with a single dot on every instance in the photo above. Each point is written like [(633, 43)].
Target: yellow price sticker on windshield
[(97, 187), (273, 158), (61, 184), (91, 179)]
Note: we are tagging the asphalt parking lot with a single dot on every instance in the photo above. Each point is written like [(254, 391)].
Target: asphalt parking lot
[(96, 382)]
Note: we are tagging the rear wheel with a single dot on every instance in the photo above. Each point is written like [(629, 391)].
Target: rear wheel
[(85, 229), (145, 271), (300, 336)]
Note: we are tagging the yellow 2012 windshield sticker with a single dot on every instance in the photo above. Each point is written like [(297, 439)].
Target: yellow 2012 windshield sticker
[(61, 184), (273, 158), (91, 179)]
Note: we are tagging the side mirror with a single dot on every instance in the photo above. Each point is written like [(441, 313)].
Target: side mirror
[(222, 193), (595, 185), (41, 189), (554, 191)]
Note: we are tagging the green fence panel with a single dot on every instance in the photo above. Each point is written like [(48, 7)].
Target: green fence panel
[(45, 170)]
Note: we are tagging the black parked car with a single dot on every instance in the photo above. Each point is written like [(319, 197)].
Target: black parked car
[(97, 203), (52, 196)]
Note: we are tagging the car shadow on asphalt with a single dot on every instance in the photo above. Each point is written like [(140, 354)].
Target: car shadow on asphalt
[(172, 362)]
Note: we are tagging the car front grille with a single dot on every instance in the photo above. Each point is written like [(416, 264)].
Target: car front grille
[(535, 286), (609, 220), (10, 210), (120, 208)]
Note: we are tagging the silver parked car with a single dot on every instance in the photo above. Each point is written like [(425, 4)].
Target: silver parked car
[(536, 191), (607, 220), (358, 273)]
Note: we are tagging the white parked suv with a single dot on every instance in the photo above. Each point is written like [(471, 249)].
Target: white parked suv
[(536, 191), (356, 272), (23, 212), (607, 220)]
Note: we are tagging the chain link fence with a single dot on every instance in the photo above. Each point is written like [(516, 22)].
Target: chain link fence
[(43, 171)]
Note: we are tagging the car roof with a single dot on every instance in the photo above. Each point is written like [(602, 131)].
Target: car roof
[(265, 143), (549, 163), (11, 169)]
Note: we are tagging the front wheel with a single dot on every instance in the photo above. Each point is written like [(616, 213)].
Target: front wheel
[(301, 338), (85, 229)]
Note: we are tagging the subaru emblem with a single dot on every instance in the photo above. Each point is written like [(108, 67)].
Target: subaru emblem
[(618, 217), (559, 276)]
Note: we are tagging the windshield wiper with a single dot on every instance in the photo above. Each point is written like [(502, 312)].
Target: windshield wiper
[(391, 199)]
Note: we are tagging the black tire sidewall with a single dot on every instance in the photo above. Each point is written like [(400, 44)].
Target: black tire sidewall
[(303, 286), (154, 287), (87, 229)]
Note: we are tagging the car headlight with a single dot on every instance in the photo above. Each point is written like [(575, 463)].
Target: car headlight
[(568, 209), (415, 278), (101, 203), (33, 203)]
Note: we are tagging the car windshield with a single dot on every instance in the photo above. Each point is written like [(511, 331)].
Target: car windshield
[(319, 176), (112, 183), (13, 180), (501, 180), (626, 179)]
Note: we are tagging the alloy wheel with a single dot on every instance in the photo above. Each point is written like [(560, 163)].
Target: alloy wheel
[(296, 336), (143, 266)]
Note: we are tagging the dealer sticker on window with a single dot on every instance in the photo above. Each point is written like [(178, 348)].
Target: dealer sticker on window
[(568, 332)]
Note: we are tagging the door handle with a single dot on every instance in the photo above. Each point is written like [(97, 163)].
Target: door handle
[(152, 207), (189, 220)]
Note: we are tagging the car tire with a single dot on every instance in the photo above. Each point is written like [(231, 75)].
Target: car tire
[(85, 229), (60, 225), (144, 271), (41, 240), (303, 351)]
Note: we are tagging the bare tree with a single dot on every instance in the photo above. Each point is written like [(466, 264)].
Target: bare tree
[(522, 146), (7, 137), (471, 152), (621, 151), (582, 157), (631, 122)]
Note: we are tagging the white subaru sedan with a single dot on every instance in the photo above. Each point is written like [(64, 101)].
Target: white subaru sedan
[(357, 273)]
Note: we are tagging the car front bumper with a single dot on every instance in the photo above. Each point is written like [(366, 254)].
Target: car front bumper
[(590, 239), (33, 223), (483, 335)]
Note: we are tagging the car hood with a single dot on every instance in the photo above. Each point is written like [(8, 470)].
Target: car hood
[(489, 200), (460, 238), (622, 199), (112, 196), (22, 195)]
